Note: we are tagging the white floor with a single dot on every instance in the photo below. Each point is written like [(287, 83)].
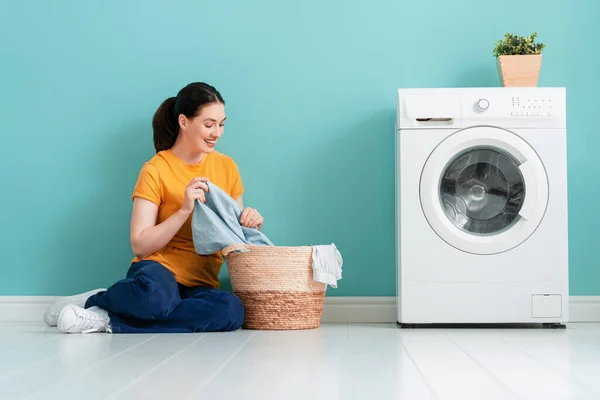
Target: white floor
[(337, 361)]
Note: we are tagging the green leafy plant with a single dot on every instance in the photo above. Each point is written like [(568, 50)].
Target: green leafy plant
[(517, 45)]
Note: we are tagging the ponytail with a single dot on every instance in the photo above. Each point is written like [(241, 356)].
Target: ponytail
[(165, 125), (189, 101)]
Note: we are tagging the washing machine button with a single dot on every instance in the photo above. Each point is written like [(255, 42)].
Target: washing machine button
[(483, 104)]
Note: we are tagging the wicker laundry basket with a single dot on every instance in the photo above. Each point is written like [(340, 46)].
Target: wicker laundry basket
[(276, 286)]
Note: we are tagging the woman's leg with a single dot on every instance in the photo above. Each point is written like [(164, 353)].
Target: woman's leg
[(200, 310), (225, 310), (149, 301), (149, 292)]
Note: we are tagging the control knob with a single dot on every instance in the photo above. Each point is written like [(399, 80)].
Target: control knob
[(483, 104)]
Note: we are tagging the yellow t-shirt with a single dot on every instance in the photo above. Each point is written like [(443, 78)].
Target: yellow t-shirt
[(163, 180)]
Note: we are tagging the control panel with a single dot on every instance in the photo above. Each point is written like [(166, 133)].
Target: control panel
[(531, 107), (500, 105), (509, 107)]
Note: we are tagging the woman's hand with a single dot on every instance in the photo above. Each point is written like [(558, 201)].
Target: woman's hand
[(194, 191), (251, 218)]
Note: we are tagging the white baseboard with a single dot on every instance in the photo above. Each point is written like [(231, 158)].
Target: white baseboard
[(359, 309), (24, 308), (584, 309), (336, 309)]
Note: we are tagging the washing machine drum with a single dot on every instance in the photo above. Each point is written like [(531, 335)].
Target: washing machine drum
[(484, 190)]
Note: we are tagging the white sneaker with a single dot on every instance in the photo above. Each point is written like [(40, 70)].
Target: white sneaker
[(54, 309), (75, 319)]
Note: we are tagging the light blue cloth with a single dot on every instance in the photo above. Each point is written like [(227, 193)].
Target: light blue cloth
[(216, 224)]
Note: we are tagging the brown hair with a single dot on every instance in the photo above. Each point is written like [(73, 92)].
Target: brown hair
[(189, 101)]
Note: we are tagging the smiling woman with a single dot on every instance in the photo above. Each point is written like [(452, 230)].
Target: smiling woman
[(169, 288), (191, 122)]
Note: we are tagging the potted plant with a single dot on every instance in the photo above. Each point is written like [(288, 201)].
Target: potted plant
[(519, 60)]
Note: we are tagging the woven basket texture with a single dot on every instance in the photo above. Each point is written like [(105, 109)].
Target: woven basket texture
[(276, 286)]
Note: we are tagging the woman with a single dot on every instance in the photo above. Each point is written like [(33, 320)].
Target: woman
[(169, 288)]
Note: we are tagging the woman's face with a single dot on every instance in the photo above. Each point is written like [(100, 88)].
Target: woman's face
[(203, 131)]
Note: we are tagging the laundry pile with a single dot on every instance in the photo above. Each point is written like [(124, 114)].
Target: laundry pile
[(216, 225)]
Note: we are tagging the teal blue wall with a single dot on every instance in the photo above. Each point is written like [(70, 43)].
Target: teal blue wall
[(310, 90)]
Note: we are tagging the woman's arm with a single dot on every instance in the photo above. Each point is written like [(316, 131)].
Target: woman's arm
[(146, 237)]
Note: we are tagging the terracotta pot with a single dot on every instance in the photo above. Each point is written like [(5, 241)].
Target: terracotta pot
[(519, 70)]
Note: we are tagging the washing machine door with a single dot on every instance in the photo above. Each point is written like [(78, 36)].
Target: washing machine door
[(484, 190)]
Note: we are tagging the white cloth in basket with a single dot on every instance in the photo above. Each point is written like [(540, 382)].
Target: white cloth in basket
[(327, 264)]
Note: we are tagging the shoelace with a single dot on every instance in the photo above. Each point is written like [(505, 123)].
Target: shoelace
[(85, 319)]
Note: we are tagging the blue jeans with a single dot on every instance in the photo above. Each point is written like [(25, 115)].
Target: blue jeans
[(149, 300)]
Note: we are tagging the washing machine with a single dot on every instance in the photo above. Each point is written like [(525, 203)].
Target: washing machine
[(481, 206)]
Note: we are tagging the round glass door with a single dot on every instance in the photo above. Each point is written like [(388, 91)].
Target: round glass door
[(484, 190)]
